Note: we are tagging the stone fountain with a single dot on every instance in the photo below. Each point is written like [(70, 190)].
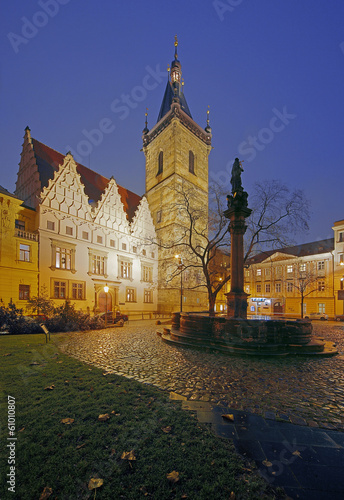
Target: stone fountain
[(234, 333)]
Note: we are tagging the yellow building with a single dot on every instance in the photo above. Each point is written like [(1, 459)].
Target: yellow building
[(18, 250), (176, 151)]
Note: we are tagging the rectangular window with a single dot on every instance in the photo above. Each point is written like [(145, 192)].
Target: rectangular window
[(321, 265), (341, 236), (60, 288), (290, 269), (278, 270), (278, 287), (321, 286), (126, 269), (289, 286), (51, 225), (144, 252), (24, 253), (134, 249), (302, 267), (19, 224), (158, 216), (148, 296), (85, 235), (124, 246), (341, 259), (63, 258), (130, 295), (98, 264), (267, 288), (153, 255), (112, 243), (69, 230), (147, 273), (267, 271), (247, 273), (259, 272), (259, 288), (99, 239), (24, 292), (247, 288), (321, 307), (78, 291)]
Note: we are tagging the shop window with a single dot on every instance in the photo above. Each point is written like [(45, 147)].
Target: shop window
[(24, 292), (24, 253)]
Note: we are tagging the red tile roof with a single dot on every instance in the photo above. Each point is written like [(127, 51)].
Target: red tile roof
[(48, 161)]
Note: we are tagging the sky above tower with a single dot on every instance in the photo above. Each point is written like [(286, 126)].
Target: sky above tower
[(81, 74)]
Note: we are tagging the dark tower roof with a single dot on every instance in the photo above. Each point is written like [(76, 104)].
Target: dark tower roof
[(174, 88)]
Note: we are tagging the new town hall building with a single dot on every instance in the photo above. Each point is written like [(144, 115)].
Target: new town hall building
[(70, 231)]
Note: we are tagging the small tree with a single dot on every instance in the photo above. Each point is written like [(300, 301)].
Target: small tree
[(305, 282), (41, 304)]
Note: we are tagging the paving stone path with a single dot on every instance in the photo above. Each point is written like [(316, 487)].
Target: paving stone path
[(305, 391)]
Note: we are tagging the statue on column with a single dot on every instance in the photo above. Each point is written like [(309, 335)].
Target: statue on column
[(238, 198)]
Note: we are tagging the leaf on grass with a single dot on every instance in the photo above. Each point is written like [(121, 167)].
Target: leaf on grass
[(46, 493), (95, 482), (297, 453), (104, 417), (22, 429), (49, 387), (80, 446), (173, 476), (228, 416), (67, 421), (114, 413), (267, 463), (166, 429), (128, 455), (7, 354), (66, 381)]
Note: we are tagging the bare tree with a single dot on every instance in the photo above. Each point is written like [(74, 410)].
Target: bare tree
[(305, 282)]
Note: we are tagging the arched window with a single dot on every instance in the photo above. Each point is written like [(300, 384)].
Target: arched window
[(191, 162), (160, 163)]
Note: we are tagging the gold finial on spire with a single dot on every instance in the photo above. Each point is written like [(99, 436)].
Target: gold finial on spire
[(175, 47), (175, 41), (146, 115), (168, 68), (183, 82), (208, 111)]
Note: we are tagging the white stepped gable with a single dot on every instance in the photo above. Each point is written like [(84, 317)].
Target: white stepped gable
[(65, 192), (142, 225), (109, 211)]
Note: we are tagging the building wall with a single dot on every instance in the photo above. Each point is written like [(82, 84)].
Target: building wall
[(18, 251)]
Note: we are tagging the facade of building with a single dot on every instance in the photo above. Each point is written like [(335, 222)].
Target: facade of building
[(18, 250), (176, 151)]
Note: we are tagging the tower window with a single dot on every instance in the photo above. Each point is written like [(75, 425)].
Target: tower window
[(160, 163), (191, 162)]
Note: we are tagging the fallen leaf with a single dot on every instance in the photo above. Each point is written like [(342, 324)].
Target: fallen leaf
[(104, 418), (267, 463), (49, 388), (297, 453), (173, 476), (228, 416), (46, 493), (67, 421), (128, 455), (7, 354), (66, 381), (80, 446), (166, 429), (21, 430), (94, 483)]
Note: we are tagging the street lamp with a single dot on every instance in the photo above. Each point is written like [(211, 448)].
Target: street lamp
[(180, 266), (106, 289)]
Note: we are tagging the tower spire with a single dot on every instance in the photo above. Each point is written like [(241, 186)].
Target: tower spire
[(175, 47)]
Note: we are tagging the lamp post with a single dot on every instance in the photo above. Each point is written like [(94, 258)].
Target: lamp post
[(106, 289), (180, 266)]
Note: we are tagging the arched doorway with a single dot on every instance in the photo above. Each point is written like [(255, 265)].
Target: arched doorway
[(104, 301), (278, 308)]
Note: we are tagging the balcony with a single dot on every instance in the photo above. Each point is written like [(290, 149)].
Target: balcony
[(26, 235)]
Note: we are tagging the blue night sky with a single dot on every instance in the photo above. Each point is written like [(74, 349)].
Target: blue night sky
[(271, 71)]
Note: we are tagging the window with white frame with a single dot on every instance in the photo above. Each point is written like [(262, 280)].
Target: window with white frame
[(258, 272), (302, 268), (78, 290), (290, 286), (148, 296), (268, 271), (321, 308), (24, 252), (60, 289), (290, 268), (63, 255), (278, 270), (97, 262), (130, 295), (267, 287), (278, 287), (126, 269), (321, 265), (321, 286), (258, 288), (146, 273)]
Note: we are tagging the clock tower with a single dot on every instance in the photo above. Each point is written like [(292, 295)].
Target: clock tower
[(176, 151)]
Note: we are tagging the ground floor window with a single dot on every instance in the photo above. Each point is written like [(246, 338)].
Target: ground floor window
[(60, 288), (321, 307), (24, 292), (68, 289), (78, 291)]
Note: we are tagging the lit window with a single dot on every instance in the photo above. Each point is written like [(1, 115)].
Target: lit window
[(60, 288), (290, 269), (259, 272), (247, 288), (126, 269), (147, 273), (98, 264), (302, 267), (247, 273), (321, 286), (51, 225), (321, 308), (78, 291), (63, 258), (148, 296), (341, 258), (24, 253), (24, 292), (130, 295)]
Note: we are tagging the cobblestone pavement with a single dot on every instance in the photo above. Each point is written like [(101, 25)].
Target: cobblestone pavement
[(302, 390)]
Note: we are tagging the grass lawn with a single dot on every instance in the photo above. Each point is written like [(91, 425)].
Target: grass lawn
[(49, 387)]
